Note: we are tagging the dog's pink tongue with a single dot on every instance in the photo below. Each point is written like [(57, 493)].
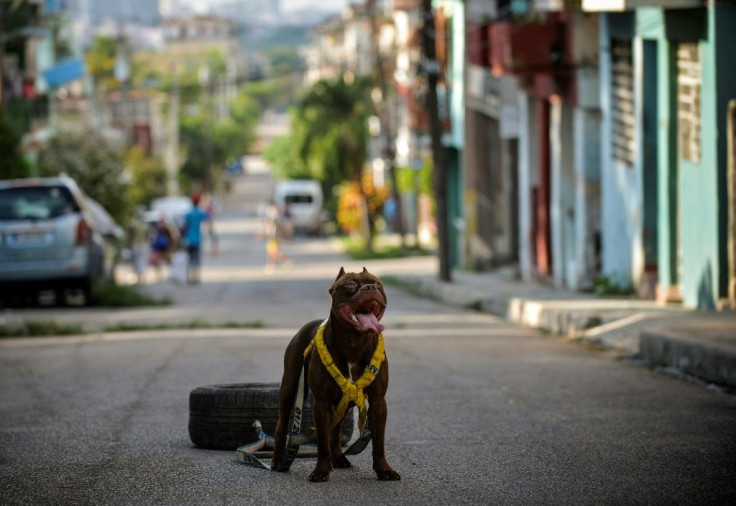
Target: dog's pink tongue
[(370, 322)]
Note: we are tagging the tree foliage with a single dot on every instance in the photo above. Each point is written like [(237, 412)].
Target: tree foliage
[(284, 61), (209, 142), (147, 177), (96, 166), (328, 143), (329, 130), (357, 201), (284, 158), (411, 180), (12, 163), (100, 61)]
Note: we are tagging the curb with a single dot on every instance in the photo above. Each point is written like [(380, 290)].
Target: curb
[(627, 329), (549, 316), (705, 361)]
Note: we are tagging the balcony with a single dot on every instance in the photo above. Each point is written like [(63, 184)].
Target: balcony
[(628, 5), (478, 44), (525, 49), (556, 5)]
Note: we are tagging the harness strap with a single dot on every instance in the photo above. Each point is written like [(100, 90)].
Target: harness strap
[(294, 441), (351, 392)]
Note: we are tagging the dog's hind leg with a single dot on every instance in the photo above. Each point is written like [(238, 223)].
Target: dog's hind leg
[(287, 398)]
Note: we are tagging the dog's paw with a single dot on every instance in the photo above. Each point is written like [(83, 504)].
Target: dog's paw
[(319, 476), (342, 462), (388, 475)]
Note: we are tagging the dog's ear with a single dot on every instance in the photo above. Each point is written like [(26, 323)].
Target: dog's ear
[(365, 270), (341, 273)]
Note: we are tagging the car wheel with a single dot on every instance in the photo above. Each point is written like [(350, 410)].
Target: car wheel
[(85, 288), (221, 416), (60, 297)]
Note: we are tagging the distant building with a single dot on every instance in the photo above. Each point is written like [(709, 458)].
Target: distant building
[(95, 12), (190, 40)]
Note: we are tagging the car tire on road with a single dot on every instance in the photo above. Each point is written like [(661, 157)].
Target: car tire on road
[(221, 416)]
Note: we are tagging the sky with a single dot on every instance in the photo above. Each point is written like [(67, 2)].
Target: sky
[(292, 5), (286, 5)]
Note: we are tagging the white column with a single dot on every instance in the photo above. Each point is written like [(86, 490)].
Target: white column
[(525, 219), (580, 138), (555, 199)]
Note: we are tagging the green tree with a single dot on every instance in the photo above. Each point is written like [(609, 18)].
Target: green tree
[(12, 163), (419, 180), (96, 166), (100, 61), (265, 93), (148, 177), (284, 61), (330, 133), (283, 155), (209, 143)]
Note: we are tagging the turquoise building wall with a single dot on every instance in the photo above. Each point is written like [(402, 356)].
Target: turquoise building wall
[(621, 185), (692, 220), (691, 196)]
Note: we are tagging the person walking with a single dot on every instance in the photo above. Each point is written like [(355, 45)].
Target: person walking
[(192, 234), (138, 244), (161, 243), (272, 232)]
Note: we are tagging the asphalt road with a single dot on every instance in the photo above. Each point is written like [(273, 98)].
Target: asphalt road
[(480, 411)]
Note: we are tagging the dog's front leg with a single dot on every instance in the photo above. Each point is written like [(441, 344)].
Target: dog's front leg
[(322, 419), (377, 413), (339, 460)]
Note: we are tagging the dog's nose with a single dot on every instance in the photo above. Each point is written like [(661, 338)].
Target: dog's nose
[(368, 288)]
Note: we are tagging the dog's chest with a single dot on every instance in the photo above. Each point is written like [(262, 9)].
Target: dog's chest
[(353, 374)]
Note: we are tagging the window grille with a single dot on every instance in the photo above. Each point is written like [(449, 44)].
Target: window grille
[(622, 102), (688, 101)]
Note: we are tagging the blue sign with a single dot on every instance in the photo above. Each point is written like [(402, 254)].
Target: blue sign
[(64, 72), (53, 6)]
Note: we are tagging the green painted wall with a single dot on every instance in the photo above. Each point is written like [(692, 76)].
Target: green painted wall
[(691, 195), (698, 188)]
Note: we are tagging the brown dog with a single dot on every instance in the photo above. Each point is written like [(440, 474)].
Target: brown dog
[(351, 336)]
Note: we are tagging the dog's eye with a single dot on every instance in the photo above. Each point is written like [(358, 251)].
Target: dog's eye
[(351, 285)]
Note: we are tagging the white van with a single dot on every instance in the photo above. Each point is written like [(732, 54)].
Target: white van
[(303, 197)]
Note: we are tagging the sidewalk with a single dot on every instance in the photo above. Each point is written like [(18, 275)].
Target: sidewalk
[(693, 343)]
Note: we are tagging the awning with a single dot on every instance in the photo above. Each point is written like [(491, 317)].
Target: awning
[(64, 72)]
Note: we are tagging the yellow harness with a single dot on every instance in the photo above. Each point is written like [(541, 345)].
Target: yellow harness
[(350, 391)]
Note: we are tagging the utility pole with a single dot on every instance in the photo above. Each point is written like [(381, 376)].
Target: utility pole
[(431, 69), (379, 102), (2, 52), (172, 144)]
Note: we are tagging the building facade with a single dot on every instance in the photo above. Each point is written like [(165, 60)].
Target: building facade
[(667, 82)]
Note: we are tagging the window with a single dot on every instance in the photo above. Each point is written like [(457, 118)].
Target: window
[(298, 199), (36, 202), (622, 102), (688, 101)]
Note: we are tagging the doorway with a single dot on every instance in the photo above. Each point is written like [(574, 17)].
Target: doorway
[(650, 167)]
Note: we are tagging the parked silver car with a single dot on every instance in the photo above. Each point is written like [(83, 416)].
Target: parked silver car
[(49, 238)]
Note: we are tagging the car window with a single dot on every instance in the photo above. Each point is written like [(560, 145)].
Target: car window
[(298, 199), (36, 202)]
